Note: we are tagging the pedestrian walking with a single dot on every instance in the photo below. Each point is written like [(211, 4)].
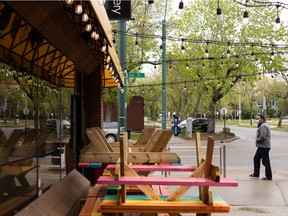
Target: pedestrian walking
[(263, 144)]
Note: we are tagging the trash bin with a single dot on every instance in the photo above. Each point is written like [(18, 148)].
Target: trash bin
[(175, 126)]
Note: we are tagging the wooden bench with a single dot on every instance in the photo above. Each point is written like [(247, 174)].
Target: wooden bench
[(205, 176), (62, 199), (92, 201), (99, 150), (16, 203), (167, 167)]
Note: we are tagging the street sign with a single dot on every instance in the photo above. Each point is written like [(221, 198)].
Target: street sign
[(224, 111), (26, 111), (136, 75)]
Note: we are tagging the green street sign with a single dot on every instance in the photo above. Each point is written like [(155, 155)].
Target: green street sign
[(136, 75)]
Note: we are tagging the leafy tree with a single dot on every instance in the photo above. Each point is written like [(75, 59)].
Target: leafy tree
[(201, 33), (44, 98), (279, 89)]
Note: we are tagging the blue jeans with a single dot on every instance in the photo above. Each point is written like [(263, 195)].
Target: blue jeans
[(262, 153)]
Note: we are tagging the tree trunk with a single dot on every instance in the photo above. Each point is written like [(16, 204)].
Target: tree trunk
[(285, 104), (108, 112), (197, 105), (251, 114), (211, 119)]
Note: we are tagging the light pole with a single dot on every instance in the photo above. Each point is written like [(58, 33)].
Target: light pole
[(164, 69), (239, 113), (122, 45)]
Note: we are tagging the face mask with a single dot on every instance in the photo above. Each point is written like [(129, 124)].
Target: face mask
[(257, 121)]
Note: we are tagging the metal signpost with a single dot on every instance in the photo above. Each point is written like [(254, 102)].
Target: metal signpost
[(224, 111)]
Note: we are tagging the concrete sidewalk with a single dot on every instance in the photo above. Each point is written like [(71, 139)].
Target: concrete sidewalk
[(252, 196)]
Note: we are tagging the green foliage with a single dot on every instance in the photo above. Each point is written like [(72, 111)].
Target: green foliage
[(19, 88)]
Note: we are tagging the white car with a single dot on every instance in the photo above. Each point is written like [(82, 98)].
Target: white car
[(53, 123)]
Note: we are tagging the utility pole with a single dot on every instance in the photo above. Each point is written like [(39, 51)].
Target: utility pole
[(164, 111), (122, 45)]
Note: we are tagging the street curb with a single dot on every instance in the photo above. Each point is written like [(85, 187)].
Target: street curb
[(228, 140)]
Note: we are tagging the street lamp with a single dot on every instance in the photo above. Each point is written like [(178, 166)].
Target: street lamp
[(164, 69), (164, 23)]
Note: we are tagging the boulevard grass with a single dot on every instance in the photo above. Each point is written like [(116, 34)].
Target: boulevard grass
[(273, 123)]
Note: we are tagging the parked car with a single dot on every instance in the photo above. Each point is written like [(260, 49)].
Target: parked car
[(111, 131), (198, 124), (111, 135), (53, 123)]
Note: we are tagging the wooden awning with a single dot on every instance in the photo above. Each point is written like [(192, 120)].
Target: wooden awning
[(47, 38)]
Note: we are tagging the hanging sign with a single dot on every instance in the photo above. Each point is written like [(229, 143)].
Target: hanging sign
[(118, 9)]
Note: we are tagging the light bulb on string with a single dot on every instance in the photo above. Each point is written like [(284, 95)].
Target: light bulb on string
[(94, 34), (278, 21), (88, 26), (78, 7), (245, 19), (151, 6), (219, 14), (270, 61), (252, 55), (228, 53), (206, 53), (104, 47), (272, 55), (69, 2), (182, 49), (257, 61), (85, 16), (181, 9)]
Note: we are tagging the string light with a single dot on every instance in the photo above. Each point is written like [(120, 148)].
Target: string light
[(182, 47), (185, 88), (151, 6), (94, 34), (272, 55), (217, 79), (206, 51), (277, 22), (69, 2), (252, 55), (104, 47), (181, 9), (219, 14), (78, 7), (136, 43), (88, 26), (85, 16), (245, 18)]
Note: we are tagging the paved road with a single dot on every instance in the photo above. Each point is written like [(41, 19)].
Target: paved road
[(252, 196)]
